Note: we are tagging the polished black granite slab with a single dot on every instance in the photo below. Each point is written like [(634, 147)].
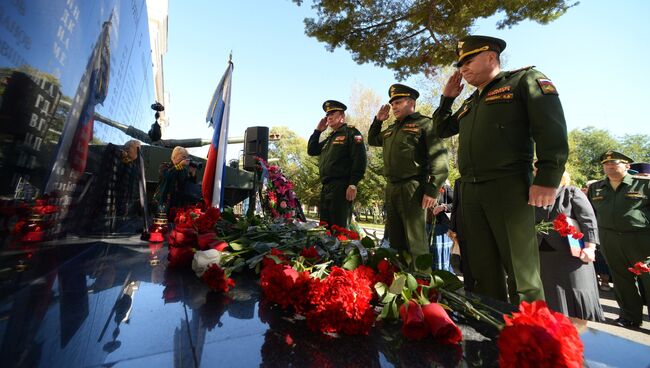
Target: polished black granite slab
[(112, 303)]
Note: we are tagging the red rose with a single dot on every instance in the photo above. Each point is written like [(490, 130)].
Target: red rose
[(433, 293), (208, 240), (180, 257), (414, 327), (220, 246), (442, 328), (538, 337), (182, 237), (386, 272)]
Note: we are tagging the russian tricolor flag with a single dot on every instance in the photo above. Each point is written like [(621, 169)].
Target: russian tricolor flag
[(217, 117)]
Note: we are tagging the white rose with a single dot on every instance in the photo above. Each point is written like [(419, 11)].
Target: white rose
[(203, 259)]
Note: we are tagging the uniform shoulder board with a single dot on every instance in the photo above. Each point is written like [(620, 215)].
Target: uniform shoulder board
[(642, 177), (513, 72)]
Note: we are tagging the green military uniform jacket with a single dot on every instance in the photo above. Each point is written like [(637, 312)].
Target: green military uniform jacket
[(342, 155), (500, 127), (411, 150), (626, 209)]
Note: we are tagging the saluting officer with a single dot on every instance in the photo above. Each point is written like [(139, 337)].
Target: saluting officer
[(622, 204), (415, 167), (342, 164), (510, 116)]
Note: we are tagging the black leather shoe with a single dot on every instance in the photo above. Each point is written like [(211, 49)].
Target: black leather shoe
[(622, 322)]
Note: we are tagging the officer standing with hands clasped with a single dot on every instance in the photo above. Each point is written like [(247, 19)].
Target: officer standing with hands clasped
[(342, 164), (415, 167), (622, 204), (511, 116)]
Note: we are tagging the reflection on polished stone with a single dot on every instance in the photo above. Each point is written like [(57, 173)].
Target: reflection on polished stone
[(113, 303)]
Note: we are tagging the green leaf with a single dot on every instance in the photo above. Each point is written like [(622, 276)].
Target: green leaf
[(228, 215), (450, 281), (381, 289), (398, 284), (411, 282), (388, 298), (424, 262), (367, 242), (394, 313), (352, 262), (236, 246), (385, 311)]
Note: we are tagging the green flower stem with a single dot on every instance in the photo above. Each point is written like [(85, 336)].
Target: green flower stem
[(462, 304)]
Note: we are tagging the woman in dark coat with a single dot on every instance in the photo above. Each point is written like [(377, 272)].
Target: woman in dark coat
[(570, 283)]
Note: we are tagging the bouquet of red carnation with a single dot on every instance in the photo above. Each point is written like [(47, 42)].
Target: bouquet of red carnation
[(640, 267), (562, 226), (538, 337), (341, 303), (343, 234)]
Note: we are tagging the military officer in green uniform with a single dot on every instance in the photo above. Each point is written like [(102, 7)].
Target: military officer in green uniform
[(415, 167), (622, 204), (510, 117), (342, 164)]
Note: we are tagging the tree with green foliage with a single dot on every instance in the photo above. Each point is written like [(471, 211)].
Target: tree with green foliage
[(585, 147), (415, 36), (636, 146)]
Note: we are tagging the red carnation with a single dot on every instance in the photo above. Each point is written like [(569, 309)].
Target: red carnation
[(639, 268), (216, 278), (366, 273), (299, 293), (340, 303), (538, 337), (277, 282), (310, 252), (442, 328), (277, 254)]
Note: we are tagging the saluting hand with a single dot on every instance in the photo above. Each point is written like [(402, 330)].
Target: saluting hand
[(322, 124), (383, 112), (540, 196), (453, 86), (428, 202)]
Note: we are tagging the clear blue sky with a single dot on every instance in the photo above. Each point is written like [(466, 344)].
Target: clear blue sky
[(596, 54)]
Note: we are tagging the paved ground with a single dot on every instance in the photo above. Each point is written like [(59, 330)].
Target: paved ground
[(610, 307)]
